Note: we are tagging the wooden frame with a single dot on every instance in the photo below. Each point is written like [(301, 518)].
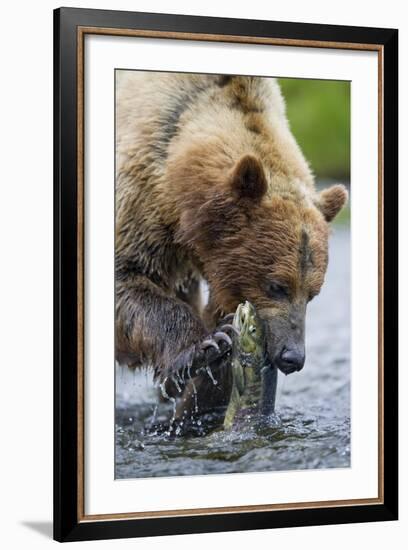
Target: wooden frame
[(70, 27)]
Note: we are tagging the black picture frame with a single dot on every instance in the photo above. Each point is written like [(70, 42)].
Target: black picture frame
[(68, 525)]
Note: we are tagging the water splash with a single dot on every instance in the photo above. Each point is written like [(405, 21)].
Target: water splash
[(194, 388)]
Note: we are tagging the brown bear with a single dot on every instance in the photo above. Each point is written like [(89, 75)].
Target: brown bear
[(211, 185)]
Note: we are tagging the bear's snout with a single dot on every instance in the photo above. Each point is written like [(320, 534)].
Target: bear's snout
[(290, 360), (285, 338)]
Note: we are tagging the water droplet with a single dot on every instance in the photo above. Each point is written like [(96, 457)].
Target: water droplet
[(210, 374), (163, 389), (175, 382)]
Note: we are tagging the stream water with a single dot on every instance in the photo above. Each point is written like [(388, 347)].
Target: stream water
[(311, 426)]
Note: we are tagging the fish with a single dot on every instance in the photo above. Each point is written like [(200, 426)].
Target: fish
[(254, 379)]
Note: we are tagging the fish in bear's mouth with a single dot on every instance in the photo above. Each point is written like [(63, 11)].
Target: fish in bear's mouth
[(254, 379)]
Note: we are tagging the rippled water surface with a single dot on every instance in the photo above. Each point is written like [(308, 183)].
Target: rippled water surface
[(311, 427)]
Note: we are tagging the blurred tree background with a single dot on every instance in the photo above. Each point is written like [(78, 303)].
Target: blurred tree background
[(319, 116)]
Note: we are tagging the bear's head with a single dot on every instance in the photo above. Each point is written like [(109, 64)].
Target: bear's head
[(265, 247)]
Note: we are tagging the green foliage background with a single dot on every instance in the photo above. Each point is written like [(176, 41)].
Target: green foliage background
[(319, 116)]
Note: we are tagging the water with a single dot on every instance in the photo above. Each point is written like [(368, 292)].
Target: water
[(311, 427)]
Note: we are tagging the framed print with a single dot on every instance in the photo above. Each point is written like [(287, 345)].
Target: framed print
[(225, 274)]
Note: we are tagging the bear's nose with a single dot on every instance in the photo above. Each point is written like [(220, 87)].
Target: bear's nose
[(291, 360)]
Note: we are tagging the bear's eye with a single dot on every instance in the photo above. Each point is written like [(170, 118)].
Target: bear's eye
[(277, 291)]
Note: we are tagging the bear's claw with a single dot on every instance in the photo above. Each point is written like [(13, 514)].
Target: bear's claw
[(210, 343), (198, 358), (222, 336), (227, 318), (230, 327)]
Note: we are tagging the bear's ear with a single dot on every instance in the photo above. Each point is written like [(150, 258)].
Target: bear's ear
[(248, 179), (332, 200)]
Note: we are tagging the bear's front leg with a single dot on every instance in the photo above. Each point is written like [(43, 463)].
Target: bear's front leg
[(153, 328)]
